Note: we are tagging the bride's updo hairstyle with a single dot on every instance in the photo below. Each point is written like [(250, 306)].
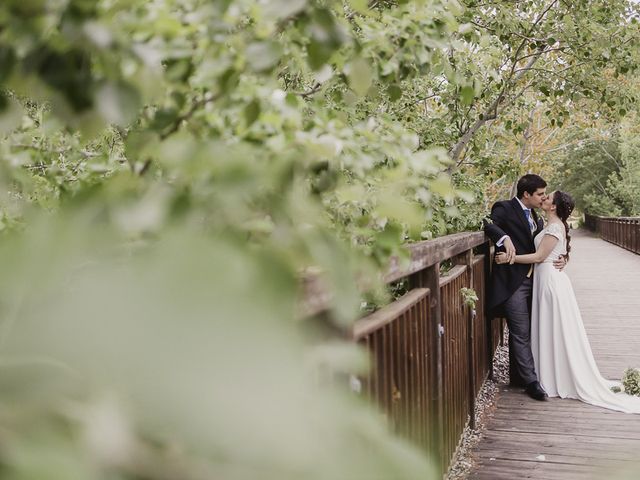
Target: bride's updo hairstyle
[(564, 206)]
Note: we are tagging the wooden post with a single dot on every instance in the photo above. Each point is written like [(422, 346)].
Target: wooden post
[(485, 248), (466, 258), (430, 278)]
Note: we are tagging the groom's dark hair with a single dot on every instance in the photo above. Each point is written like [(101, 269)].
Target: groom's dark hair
[(530, 183)]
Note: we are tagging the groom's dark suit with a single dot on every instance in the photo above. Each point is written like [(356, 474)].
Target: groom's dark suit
[(510, 292)]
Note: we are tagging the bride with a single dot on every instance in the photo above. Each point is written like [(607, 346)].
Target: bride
[(561, 351)]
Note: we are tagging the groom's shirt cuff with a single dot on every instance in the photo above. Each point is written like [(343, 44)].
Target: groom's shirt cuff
[(500, 242)]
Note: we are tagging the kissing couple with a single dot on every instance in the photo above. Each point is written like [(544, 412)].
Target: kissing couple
[(547, 339)]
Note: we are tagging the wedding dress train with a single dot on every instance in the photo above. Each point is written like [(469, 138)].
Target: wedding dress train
[(561, 351)]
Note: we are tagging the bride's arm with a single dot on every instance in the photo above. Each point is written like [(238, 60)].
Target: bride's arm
[(545, 248)]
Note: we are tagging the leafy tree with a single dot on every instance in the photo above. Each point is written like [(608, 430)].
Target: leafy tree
[(625, 186), (543, 47), (598, 160), (585, 172)]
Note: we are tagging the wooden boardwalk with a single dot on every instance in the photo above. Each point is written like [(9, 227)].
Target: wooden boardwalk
[(567, 439)]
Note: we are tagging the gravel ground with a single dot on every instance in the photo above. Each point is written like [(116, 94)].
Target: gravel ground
[(485, 405)]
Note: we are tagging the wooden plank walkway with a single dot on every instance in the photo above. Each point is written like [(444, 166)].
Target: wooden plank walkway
[(567, 439)]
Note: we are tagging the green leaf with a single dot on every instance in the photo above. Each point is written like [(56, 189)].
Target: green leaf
[(394, 92), (10, 114), (263, 56), (252, 112), (118, 103), (466, 95), (391, 236), (396, 207), (442, 186), (139, 143), (178, 69), (277, 9), (360, 75), (7, 61), (326, 37), (228, 80), (163, 118), (360, 6), (318, 54)]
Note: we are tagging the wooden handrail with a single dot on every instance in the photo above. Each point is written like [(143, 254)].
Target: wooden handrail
[(637, 219), (452, 274), (621, 231), (388, 313), (316, 296), (429, 252)]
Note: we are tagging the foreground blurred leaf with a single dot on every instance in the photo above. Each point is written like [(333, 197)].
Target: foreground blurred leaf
[(118, 103), (220, 379)]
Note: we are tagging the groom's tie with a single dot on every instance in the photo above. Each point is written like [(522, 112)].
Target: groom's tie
[(532, 224), (532, 227)]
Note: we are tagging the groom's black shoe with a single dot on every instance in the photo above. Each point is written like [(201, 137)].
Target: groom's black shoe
[(535, 391)]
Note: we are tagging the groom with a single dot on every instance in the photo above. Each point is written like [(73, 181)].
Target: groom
[(512, 226)]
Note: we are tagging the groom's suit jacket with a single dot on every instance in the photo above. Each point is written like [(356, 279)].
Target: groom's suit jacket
[(508, 218)]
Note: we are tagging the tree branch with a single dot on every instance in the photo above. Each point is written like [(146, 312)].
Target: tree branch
[(312, 91), (59, 151), (188, 114), (526, 136), (490, 113), (555, 49)]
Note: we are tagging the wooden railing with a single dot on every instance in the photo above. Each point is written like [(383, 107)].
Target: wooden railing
[(430, 351), (622, 231)]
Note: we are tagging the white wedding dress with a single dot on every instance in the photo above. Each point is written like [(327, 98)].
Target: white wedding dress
[(561, 351)]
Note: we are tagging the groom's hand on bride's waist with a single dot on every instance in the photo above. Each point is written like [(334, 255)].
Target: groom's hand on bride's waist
[(560, 262)]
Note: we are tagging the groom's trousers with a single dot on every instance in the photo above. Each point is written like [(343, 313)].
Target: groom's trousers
[(517, 310)]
